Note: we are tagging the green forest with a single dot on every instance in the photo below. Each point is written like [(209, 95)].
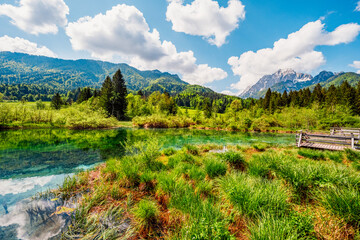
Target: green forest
[(315, 108)]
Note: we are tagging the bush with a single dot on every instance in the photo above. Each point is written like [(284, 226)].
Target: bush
[(215, 167), (146, 213)]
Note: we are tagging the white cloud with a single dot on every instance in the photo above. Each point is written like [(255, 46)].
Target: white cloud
[(356, 64), (297, 51), (37, 16), (206, 18), (123, 32), (358, 7), (227, 92), (24, 46)]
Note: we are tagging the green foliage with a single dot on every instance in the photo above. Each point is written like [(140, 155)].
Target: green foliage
[(236, 159), (343, 202), (215, 167), (56, 101), (295, 226), (352, 155), (191, 149), (254, 196), (312, 154), (260, 146), (169, 151), (146, 212)]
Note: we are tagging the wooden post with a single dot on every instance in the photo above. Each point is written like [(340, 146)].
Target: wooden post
[(332, 131), (300, 138), (352, 141)]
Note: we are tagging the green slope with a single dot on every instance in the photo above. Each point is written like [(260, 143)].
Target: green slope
[(352, 78), (16, 68)]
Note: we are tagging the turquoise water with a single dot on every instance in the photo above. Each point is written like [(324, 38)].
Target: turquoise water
[(32, 161)]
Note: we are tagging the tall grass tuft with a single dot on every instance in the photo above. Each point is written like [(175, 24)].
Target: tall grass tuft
[(312, 154), (235, 159), (146, 213), (352, 155), (343, 202), (254, 196), (215, 167)]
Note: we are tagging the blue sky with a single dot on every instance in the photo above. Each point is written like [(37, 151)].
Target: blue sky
[(225, 45)]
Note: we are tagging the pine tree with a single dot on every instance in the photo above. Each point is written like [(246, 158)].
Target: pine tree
[(106, 95), (56, 101), (267, 99), (85, 95), (207, 107), (119, 102)]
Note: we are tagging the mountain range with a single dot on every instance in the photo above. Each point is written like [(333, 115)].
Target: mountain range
[(16, 68), (289, 80)]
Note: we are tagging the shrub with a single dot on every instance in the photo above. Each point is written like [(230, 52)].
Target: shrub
[(215, 167), (146, 213), (236, 159)]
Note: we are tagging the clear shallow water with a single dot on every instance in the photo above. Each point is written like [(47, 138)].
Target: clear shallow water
[(33, 161)]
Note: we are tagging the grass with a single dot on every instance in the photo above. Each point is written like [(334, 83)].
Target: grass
[(197, 194), (146, 213)]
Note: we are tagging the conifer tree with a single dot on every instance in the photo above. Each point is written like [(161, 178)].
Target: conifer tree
[(56, 101), (267, 99), (119, 102), (106, 95)]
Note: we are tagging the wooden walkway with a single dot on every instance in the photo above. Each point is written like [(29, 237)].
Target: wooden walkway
[(322, 146), (337, 140)]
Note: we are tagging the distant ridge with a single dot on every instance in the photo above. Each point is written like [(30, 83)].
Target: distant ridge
[(16, 68)]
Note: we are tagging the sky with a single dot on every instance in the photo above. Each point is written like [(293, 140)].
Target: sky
[(227, 45)]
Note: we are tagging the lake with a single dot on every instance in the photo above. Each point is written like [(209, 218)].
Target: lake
[(33, 161)]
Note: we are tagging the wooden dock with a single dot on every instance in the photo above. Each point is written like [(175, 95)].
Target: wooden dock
[(337, 140)]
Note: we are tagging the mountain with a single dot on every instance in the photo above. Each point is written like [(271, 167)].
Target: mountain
[(287, 76), (16, 68), (336, 80), (293, 86)]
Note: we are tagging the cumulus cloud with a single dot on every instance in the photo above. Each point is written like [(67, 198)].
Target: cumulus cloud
[(206, 18), (123, 32), (358, 7), (296, 52), (356, 64), (37, 16), (227, 92), (24, 46)]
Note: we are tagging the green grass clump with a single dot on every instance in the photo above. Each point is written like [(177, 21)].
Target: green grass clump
[(293, 226), (117, 193), (169, 151), (260, 146), (352, 155), (312, 154), (335, 156), (343, 202), (215, 167), (191, 149), (235, 159), (146, 213), (178, 158), (196, 173), (254, 196)]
